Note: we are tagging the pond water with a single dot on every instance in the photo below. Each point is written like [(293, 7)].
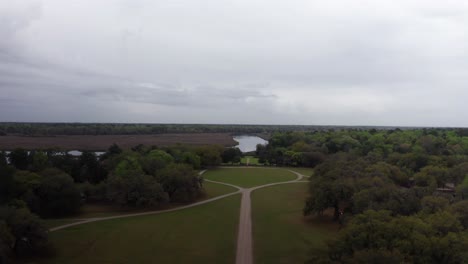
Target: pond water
[(249, 143), (78, 153), (71, 152)]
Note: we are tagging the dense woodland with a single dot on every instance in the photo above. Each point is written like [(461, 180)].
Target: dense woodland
[(400, 196), (50, 184)]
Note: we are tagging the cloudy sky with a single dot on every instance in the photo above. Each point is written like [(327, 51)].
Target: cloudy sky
[(324, 62)]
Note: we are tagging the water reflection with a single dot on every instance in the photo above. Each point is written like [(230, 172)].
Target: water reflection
[(249, 143)]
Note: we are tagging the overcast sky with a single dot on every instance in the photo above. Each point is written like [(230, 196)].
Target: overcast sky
[(323, 62)]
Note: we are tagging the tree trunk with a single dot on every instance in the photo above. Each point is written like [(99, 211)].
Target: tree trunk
[(336, 213)]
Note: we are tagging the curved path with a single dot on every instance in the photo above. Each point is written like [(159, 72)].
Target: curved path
[(244, 253)]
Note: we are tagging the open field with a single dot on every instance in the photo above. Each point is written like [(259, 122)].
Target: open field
[(281, 234), (103, 210), (102, 142), (215, 189), (202, 234), (249, 177), (252, 160), (304, 171)]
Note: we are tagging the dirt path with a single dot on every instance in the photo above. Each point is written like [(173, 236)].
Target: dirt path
[(244, 238)]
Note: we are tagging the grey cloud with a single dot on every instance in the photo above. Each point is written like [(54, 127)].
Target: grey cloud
[(306, 62)]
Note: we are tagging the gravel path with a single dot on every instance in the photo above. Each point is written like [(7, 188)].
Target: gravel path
[(244, 238)]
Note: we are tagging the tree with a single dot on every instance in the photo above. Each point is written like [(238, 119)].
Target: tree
[(19, 158), (311, 159), (3, 158), (385, 170), (262, 153), (155, 161), (7, 241), (462, 189), (181, 182), (6, 183), (129, 164), (434, 238), (210, 155), (58, 194), (93, 192), (333, 185), (191, 159), (433, 204), (436, 173), (114, 149), (135, 189), (232, 155), (25, 229), (39, 161), (460, 210), (26, 187), (376, 256), (458, 173)]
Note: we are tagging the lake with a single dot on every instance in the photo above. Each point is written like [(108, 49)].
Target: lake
[(249, 143), (78, 153), (71, 152)]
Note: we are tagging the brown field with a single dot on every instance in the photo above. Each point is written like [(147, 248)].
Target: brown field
[(102, 142)]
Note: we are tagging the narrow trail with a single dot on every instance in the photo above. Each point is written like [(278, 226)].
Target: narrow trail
[(244, 252), (244, 237)]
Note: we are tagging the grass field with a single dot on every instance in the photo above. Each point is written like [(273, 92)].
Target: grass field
[(102, 210), (202, 234), (215, 189), (281, 234), (249, 177), (252, 160), (303, 171)]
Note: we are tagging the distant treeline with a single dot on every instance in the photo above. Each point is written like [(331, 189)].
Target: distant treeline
[(50, 129)]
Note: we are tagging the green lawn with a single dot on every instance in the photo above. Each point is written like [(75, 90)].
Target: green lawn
[(249, 177), (303, 171), (281, 234), (202, 234), (252, 160), (215, 189)]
